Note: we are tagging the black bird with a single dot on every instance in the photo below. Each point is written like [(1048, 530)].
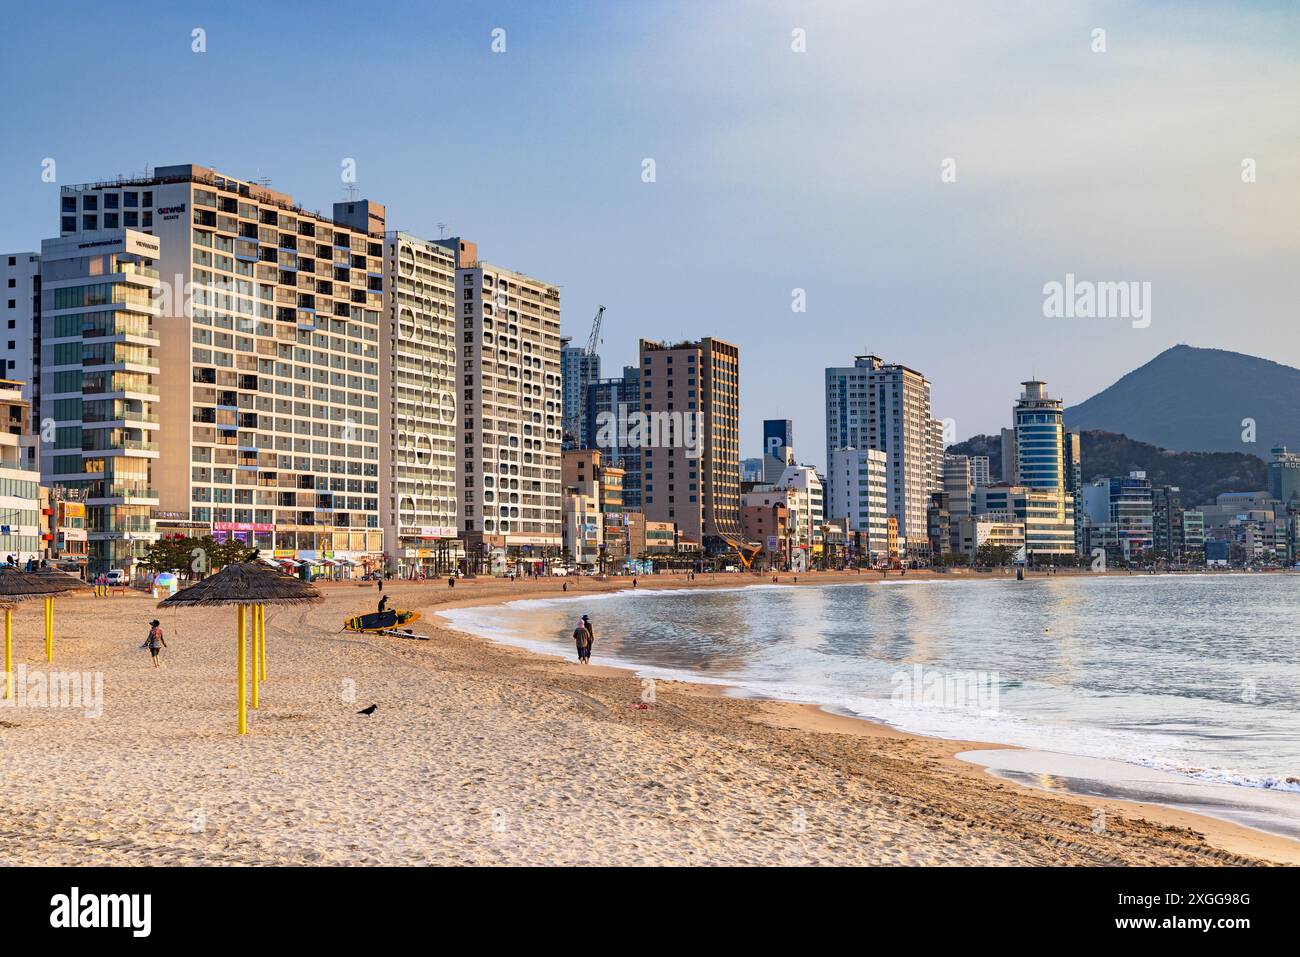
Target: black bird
[(370, 710)]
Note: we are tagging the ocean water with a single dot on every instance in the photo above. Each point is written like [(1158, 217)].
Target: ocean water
[(1198, 675)]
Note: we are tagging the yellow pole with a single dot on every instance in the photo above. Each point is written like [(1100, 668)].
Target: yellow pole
[(9, 652), (261, 631), (254, 639), (49, 630), (240, 668)]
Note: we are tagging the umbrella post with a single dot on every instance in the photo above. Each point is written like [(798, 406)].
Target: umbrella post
[(49, 630), (252, 647), (9, 652), (261, 639), (240, 668)]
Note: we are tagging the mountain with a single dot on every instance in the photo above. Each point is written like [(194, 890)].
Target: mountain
[(1200, 475), (1195, 400)]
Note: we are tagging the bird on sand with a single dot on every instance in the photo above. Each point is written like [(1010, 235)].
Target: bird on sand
[(370, 710)]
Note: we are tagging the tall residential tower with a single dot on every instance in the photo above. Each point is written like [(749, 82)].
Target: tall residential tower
[(877, 405), (690, 461)]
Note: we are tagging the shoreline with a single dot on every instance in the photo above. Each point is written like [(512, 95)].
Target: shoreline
[(821, 718), (481, 753)]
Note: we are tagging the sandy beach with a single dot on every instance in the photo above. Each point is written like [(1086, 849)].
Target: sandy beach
[(485, 754)]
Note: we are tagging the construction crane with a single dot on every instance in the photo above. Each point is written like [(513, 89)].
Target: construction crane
[(593, 340)]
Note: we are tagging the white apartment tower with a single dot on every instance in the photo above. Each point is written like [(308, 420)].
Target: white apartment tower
[(857, 490), (511, 407), (876, 405), (268, 354), (417, 361)]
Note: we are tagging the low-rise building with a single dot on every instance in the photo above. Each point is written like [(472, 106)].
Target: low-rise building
[(973, 532), (20, 483)]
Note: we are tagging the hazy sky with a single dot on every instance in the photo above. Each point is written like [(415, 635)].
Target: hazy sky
[(775, 170)]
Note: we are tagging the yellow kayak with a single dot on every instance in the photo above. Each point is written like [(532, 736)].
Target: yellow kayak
[(381, 620)]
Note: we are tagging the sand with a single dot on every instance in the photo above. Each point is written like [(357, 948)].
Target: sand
[(484, 754)]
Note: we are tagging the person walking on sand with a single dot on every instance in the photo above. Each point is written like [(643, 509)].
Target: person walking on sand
[(155, 642)]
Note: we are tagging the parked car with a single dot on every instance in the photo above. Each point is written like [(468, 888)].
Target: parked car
[(117, 577)]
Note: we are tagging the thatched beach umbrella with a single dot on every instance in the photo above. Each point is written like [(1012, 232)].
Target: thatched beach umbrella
[(15, 586), (61, 583), (250, 586)]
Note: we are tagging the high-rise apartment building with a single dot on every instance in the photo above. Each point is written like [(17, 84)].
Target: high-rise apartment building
[(612, 405), (269, 337), (877, 405), (511, 401), (100, 374), (579, 370), (690, 461), (979, 469), (1167, 535), (1074, 483), (958, 484), (20, 308), (418, 375)]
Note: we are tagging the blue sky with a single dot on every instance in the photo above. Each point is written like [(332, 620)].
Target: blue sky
[(775, 170)]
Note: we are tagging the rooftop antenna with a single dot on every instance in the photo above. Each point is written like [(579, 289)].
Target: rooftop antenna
[(442, 230), (352, 189)]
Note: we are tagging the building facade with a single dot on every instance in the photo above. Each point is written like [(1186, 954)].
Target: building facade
[(690, 460), (418, 373), (778, 448), (1284, 477), (511, 400), (857, 489), (876, 405), (1119, 513), (579, 370), (20, 296), (610, 404), (21, 528), (100, 385), (1043, 465), (268, 348)]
